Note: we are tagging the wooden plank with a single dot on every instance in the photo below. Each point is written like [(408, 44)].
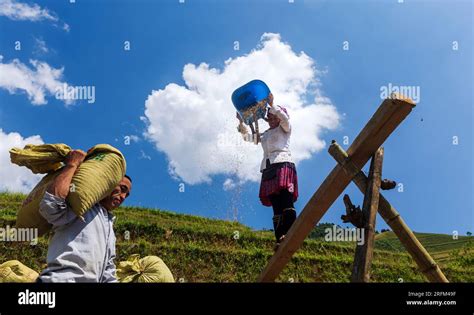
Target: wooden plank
[(385, 120), (364, 252), (425, 262)]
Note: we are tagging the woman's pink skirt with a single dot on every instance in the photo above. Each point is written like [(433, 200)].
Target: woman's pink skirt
[(277, 177)]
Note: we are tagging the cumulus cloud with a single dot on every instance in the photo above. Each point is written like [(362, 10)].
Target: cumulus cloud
[(37, 81), (19, 11), (15, 178), (195, 126)]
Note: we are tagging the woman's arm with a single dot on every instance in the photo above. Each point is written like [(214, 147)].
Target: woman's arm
[(246, 135), (284, 121), (275, 110)]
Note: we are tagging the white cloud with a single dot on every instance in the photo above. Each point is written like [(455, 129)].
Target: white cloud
[(15, 178), (25, 12), (195, 124), (19, 11), (40, 46), (229, 184), (37, 82)]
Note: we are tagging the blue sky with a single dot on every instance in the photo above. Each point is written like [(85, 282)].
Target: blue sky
[(405, 44)]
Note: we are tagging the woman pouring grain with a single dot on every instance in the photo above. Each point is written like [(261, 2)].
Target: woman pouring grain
[(279, 183)]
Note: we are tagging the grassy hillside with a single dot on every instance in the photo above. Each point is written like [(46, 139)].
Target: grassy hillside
[(443, 248), (203, 250)]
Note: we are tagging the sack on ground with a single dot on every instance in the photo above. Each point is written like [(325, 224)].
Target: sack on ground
[(95, 179), (149, 269), (15, 271)]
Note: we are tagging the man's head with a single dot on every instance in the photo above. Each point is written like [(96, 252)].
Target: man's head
[(118, 195)]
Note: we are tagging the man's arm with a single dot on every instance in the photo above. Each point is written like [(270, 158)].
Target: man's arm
[(53, 207), (60, 185), (110, 272)]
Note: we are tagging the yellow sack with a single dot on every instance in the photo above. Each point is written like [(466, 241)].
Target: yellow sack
[(149, 269), (15, 271), (101, 171), (28, 215), (43, 158), (96, 177)]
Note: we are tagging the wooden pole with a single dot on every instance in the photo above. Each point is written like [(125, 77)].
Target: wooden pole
[(385, 120), (364, 252), (425, 263)]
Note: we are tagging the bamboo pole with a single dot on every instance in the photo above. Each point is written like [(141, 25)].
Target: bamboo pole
[(425, 262), (385, 120), (364, 252)]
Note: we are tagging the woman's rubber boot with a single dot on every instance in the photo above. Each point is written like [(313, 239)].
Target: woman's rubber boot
[(278, 228), (280, 240), (288, 218)]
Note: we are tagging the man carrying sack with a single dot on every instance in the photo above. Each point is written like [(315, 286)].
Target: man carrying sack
[(81, 249)]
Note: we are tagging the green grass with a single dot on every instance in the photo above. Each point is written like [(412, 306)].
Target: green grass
[(205, 250), (445, 249), (432, 242)]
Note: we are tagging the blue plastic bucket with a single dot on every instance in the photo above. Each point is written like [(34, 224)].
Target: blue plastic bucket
[(250, 100)]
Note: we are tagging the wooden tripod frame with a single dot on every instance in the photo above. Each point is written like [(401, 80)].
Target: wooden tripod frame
[(386, 119)]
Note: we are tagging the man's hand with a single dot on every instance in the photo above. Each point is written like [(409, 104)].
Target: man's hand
[(75, 158), (61, 184)]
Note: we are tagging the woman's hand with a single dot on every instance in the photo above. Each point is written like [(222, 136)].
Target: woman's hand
[(270, 99), (238, 117), (241, 128)]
